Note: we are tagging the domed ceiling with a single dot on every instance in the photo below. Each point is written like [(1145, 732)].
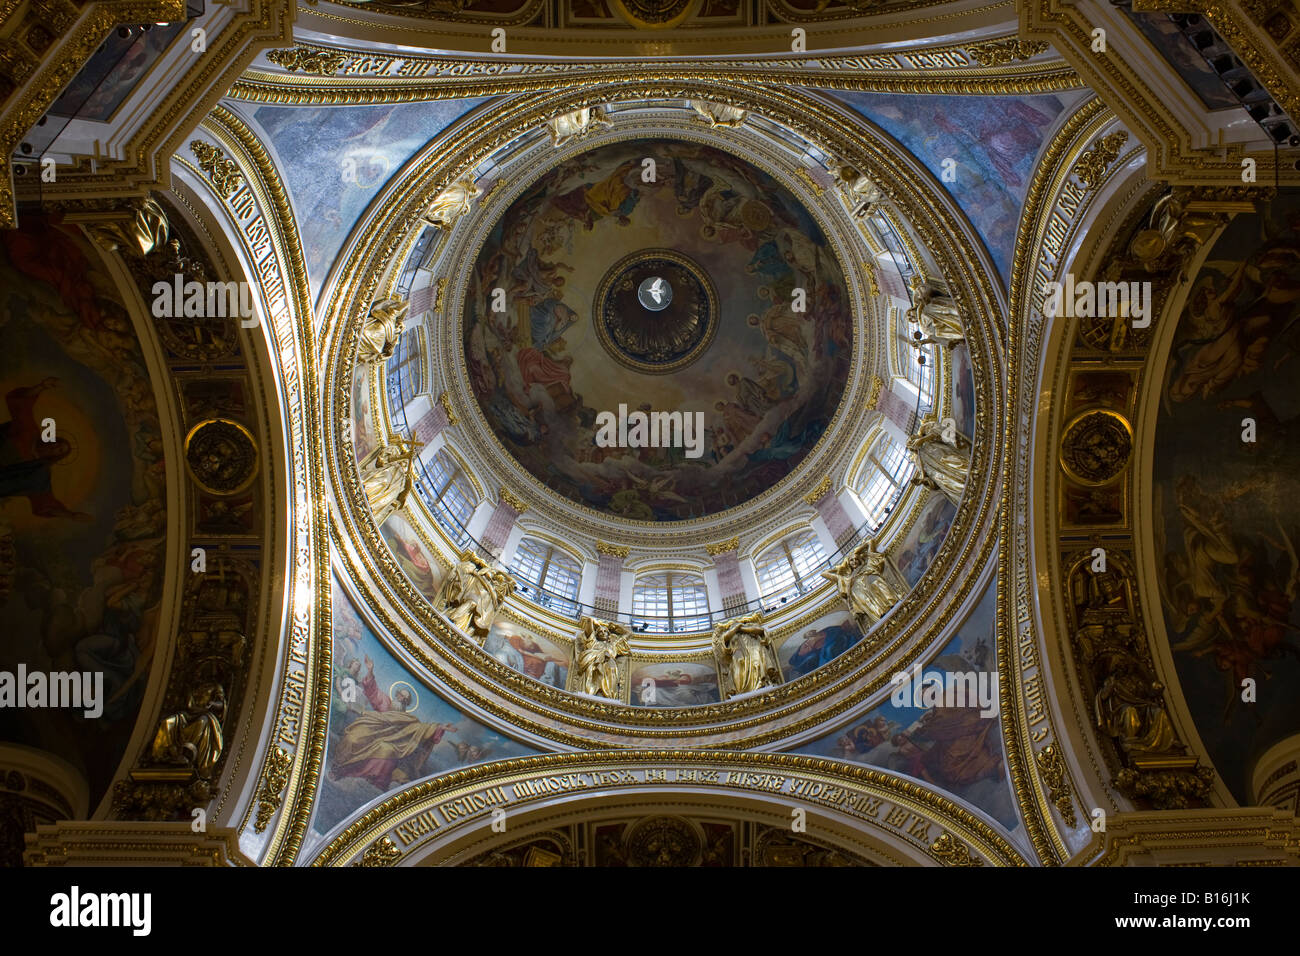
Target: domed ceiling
[(657, 276)]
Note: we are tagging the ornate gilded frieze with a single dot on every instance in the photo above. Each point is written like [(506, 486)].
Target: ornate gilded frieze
[(890, 818)]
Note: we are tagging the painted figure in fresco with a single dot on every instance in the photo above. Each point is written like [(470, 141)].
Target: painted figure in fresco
[(1233, 601), (26, 460), (676, 688), (864, 738), (951, 747), (821, 646), (386, 744), (410, 555), (524, 653)]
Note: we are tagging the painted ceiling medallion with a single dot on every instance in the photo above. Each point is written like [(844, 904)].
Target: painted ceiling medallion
[(655, 312), (711, 270)]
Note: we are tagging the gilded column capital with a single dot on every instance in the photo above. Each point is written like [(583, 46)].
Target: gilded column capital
[(819, 492)]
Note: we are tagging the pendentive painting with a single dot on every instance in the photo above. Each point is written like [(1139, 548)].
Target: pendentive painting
[(1227, 509)]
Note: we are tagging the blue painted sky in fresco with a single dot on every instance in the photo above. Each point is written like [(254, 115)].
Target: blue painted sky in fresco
[(341, 158), (470, 742), (948, 763), (994, 139)]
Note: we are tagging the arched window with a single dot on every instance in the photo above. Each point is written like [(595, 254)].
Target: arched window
[(789, 566), (404, 371), (917, 364), (885, 479), (670, 602), (547, 575), (449, 494)]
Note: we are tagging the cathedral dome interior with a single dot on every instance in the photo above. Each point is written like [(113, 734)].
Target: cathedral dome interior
[(648, 422)]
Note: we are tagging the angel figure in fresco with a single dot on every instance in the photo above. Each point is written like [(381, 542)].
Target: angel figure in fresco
[(26, 460), (386, 744), (1234, 602)]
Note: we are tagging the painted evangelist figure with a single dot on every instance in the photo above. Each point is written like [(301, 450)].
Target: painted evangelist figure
[(767, 385), (1227, 511), (386, 728)]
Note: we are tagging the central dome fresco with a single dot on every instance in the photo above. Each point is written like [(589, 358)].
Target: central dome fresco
[(657, 276)]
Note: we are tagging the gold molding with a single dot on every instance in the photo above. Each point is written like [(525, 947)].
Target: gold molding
[(613, 550), (512, 500), (820, 491), (722, 547), (460, 801), (445, 401)]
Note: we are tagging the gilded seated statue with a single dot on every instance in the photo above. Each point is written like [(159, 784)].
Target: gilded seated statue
[(381, 331)]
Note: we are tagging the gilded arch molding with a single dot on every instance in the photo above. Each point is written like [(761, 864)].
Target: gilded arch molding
[(450, 815)]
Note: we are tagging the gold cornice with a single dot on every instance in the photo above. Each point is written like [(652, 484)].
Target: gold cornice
[(445, 401), (722, 547), (263, 86), (147, 154), (1170, 155), (512, 500), (1231, 24), (613, 550), (820, 491), (38, 93)]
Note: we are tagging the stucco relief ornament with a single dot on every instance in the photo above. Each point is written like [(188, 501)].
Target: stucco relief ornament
[(859, 190), (472, 594), (936, 316), (718, 114), (388, 476), (382, 330), (941, 464), (599, 647), (452, 203), (863, 584), (576, 124), (746, 659)]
